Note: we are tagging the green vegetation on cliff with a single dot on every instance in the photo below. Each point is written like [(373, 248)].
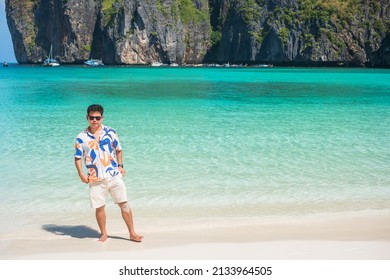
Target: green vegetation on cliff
[(345, 23), (252, 11), (332, 16), (110, 9), (183, 9), (25, 9), (189, 13)]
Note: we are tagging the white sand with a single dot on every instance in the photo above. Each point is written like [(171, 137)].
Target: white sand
[(354, 236)]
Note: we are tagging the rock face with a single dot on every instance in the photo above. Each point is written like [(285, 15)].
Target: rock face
[(283, 32), (140, 32), (35, 25), (301, 32)]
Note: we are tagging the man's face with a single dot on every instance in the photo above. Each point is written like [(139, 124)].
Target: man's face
[(94, 118)]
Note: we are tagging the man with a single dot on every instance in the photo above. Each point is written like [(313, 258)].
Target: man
[(100, 148)]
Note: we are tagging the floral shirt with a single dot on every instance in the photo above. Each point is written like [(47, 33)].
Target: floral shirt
[(99, 154)]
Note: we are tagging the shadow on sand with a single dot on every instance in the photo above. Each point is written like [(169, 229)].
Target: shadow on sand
[(76, 231)]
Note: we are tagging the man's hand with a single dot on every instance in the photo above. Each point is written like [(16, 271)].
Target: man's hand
[(84, 178), (121, 170)]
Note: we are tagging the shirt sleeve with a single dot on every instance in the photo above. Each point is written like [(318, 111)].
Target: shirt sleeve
[(78, 148), (117, 144)]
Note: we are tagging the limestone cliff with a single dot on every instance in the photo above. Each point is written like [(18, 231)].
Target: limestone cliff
[(284, 32), (35, 25), (302, 32), (118, 31)]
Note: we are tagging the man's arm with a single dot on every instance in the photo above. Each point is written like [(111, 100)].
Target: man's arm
[(119, 160), (84, 178)]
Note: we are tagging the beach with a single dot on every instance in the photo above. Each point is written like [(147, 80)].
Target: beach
[(343, 236)]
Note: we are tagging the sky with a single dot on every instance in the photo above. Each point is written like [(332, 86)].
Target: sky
[(6, 48)]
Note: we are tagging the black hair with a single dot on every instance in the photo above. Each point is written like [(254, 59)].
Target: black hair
[(95, 108)]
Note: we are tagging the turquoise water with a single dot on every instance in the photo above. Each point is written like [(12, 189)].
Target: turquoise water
[(198, 143)]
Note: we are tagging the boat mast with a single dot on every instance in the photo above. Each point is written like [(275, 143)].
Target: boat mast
[(51, 52)]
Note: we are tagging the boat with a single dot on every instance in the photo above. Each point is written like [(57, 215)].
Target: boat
[(5, 64), (156, 64), (94, 62), (264, 66), (50, 61)]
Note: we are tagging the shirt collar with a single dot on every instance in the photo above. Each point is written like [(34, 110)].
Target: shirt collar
[(90, 134)]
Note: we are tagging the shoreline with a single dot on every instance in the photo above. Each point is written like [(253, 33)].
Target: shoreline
[(356, 235), (223, 65)]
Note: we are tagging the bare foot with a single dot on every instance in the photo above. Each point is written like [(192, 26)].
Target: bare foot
[(103, 238), (136, 238)]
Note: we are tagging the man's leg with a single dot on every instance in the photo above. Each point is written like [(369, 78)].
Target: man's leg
[(101, 220), (128, 218)]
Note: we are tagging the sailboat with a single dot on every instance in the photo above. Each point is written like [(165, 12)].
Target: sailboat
[(51, 61)]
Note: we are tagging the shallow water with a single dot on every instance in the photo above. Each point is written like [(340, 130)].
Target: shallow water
[(199, 143)]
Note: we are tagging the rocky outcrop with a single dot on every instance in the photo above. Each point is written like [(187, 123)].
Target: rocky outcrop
[(300, 32), (381, 57), (118, 31), (284, 32), (140, 32), (35, 25)]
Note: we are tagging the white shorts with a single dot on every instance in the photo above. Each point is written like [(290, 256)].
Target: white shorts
[(98, 191)]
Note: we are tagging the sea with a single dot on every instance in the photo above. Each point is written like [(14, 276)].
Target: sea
[(203, 147)]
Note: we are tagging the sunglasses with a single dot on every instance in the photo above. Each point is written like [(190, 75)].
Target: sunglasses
[(94, 117)]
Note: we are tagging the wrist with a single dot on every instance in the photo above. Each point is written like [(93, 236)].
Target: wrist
[(120, 165)]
